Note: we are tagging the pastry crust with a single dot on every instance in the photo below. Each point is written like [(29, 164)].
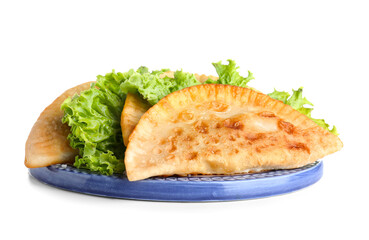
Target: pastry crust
[(223, 129), (47, 142)]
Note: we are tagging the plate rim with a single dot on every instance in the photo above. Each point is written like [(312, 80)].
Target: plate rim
[(178, 191)]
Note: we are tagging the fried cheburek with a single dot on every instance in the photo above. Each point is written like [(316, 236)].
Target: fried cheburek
[(47, 142), (223, 129), (134, 107)]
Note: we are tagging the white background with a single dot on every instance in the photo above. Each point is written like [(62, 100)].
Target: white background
[(47, 47)]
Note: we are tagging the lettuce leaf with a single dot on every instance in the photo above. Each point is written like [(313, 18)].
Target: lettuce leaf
[(94, 118), (228, 74), (182, 80), (297, 102), (153, 88), (280, 95)]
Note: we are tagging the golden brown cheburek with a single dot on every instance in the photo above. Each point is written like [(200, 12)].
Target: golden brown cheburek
[(222, 129), (135, 106), (47, 142)]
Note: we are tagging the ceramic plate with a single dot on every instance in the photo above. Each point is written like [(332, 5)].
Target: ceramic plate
[(183, 189)]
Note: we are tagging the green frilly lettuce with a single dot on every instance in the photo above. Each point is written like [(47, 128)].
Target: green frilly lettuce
[(297, 102), (228, 74), (94, 114), (153, 88), (94, 118)]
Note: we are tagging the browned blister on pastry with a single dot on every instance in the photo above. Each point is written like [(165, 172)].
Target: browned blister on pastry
[(47, 142), (223, 129)]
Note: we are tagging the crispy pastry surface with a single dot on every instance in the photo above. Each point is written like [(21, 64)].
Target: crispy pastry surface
[(47, 142), (222, 129)]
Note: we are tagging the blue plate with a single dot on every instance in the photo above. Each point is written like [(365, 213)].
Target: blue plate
[(183, 189)]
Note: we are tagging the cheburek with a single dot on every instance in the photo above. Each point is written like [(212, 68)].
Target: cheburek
[(47, 142), (135, 106), (223, 129)]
